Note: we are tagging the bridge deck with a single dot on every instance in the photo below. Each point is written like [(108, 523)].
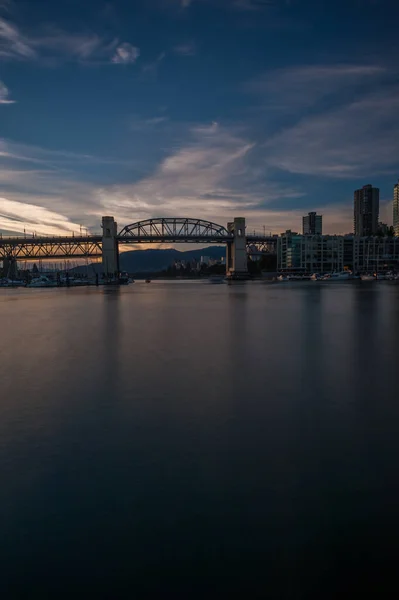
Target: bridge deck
[(37, 248)]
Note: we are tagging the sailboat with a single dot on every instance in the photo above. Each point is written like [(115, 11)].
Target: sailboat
[(367, 276)]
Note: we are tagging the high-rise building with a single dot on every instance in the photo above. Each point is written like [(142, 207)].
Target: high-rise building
[(396, 208), (366, 210), (312, 224)]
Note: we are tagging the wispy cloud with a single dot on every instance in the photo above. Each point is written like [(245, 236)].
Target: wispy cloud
[(247, 5), (125, 54), (214, 173), (4, 95), (20, 216), (13, 45), (187, 49), (253, 4), (19, 152), (52, 45), (137, 123), (304, 86), (152, 67), (329, 120), (51, 180), (350, 141), (211, 175)]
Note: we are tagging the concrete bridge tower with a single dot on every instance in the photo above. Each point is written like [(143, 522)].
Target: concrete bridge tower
[(10, 268), (110, 251), (236, 251)]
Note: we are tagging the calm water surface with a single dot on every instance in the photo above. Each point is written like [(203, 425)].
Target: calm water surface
[(187, 440)]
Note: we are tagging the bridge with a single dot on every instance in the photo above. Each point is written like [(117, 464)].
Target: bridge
[(159, 230)]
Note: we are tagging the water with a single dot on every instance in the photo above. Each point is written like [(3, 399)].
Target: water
[(184, 440)]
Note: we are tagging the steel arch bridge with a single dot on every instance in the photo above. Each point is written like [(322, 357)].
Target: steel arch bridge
[(159, 230), (174, 230)]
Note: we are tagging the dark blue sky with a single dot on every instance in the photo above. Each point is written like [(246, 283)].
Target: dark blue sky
[(203, 108)]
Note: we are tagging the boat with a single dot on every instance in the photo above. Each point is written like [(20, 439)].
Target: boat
[(340, 276), (284, 278), (124, 279), (217, 279), (42, 282), (78, 282), (5, 282), (293, 277), (367, 277)]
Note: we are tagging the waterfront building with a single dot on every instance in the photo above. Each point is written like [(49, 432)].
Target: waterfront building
[(329, 253), (366, 207), (310, 253), (289, 251), (396, 208), (312, 224), (372, 254)]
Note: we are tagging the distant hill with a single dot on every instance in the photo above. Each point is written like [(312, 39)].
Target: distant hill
[(137, 261), (152, 261)]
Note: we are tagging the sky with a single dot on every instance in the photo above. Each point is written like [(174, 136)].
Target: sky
[(210, 109)]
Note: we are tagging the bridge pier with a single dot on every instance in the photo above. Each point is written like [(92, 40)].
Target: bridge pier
[(236, 251), (10, 268), (110, 251)]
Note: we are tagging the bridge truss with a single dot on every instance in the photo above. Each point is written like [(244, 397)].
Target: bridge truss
[(174, 230), (258, 245), (50, 248)]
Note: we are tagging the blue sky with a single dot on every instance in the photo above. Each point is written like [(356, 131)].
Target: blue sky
[(204, 108)]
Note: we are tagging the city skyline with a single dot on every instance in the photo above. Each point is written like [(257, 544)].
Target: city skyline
[(207, 109)]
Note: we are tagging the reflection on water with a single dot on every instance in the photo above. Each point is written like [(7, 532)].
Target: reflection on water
[(189, 440)]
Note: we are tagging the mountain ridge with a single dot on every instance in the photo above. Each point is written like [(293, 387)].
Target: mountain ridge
[(155, 260)]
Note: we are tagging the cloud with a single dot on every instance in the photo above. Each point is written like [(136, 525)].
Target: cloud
[(247, 5), (209, 170), (213, 172), (19, 216), (188, 49), (4, 95), (13, 151), (152, 67), (125, 54), (52, 45), (350, 141), (137, 123), (55, 44), (336, 121), (252, 4), (51, 180), (210, 176), (305, 86), (13, 45)]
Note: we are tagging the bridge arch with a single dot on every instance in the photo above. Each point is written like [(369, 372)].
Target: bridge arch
[(178, 229)]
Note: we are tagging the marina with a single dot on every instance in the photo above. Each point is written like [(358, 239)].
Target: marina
[(65, 281)]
